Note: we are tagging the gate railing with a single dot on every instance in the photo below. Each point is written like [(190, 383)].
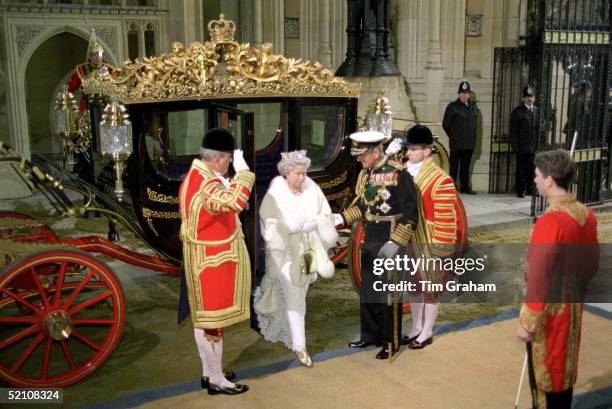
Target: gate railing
[(567, 60)]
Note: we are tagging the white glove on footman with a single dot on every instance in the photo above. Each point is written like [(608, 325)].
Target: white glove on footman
[(239, 162)]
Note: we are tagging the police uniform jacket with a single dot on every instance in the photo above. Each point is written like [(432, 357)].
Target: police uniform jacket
[(460, 124), (522, 129)]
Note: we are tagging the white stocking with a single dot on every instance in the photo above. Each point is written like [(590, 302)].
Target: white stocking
[(431, 312), (416, 312), (298, 332), (214, 356), (198, 334)]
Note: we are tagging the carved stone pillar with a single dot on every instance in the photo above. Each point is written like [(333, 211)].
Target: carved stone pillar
[(325, 51), (434, 53), (257, 29)]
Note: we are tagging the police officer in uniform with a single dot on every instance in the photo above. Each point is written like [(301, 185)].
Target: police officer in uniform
[(386, 200), (459, 123), (522, 134)]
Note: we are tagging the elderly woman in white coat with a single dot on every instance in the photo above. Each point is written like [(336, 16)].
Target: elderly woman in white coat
[(295, 219)]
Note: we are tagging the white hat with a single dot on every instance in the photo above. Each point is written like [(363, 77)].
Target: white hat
[(364, 140)]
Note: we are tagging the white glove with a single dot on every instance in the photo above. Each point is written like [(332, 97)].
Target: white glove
[(239, 162), (337, 219), (394, 147), (309, 226), (293, 228), (389, 250)]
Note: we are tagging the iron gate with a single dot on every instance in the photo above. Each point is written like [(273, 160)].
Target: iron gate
[(567, 60), (511, 72)]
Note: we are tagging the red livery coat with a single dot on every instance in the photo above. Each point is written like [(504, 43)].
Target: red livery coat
[(442, 227), (563, 255), (217, 267), (80, 72)]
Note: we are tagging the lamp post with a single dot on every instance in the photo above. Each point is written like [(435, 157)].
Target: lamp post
[(116, 140), (66, 117)]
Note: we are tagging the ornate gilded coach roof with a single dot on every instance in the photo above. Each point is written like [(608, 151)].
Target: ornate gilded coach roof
[(220, 68)]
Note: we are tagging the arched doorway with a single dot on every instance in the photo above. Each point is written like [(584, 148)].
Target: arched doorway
[(50, 64)]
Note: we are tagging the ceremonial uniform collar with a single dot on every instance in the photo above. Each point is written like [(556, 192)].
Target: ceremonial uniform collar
[(382, 162), (567, 203), (202, 166), (555, 200)]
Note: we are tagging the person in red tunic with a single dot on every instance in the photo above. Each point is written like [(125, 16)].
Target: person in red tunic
[(562, 258), (217, 268), (441, 230), (95, 61)]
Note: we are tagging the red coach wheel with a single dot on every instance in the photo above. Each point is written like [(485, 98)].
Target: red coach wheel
[(337, 254), (40, 233), (62, 314), (355, 242)]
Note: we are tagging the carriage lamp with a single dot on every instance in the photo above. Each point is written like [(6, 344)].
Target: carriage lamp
[(116, 140), (66, 117), (379, 115)]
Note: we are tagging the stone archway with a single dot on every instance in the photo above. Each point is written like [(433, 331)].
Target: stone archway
[(52, 61)]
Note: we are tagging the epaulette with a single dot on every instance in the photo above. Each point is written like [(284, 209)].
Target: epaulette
[(397, 165)]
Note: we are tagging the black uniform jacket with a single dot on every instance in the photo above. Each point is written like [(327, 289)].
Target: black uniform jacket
[(383, 193), (522, 129), (460, 124)]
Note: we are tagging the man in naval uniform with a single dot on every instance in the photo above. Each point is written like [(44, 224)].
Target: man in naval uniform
[(440, 231), (386, 201), (217, 269)]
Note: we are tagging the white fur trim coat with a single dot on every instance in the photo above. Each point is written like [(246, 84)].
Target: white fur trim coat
[(280, 208)]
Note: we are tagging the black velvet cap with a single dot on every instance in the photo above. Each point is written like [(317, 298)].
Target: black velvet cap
[(219, 139), (419, 135)]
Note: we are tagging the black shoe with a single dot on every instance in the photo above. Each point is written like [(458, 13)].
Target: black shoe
[(406, 340), (221, 390), (384, 353), (230, 376), (468, 192), (520, 195), (360, 344), (420, 345)]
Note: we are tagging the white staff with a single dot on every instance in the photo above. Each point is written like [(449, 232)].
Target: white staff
[(518, 392), (574, 144)]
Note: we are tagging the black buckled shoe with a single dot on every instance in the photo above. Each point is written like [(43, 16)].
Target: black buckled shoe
[(468, 192), (222, 390), (406, 340), (360, 344), (230, 376), (420, 345), (384, 353)]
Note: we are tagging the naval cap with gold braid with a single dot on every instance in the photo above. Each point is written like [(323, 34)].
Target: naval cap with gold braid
[(364, 140)]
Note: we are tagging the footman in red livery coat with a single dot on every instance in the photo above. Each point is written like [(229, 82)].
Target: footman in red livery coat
[(217, 269)]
